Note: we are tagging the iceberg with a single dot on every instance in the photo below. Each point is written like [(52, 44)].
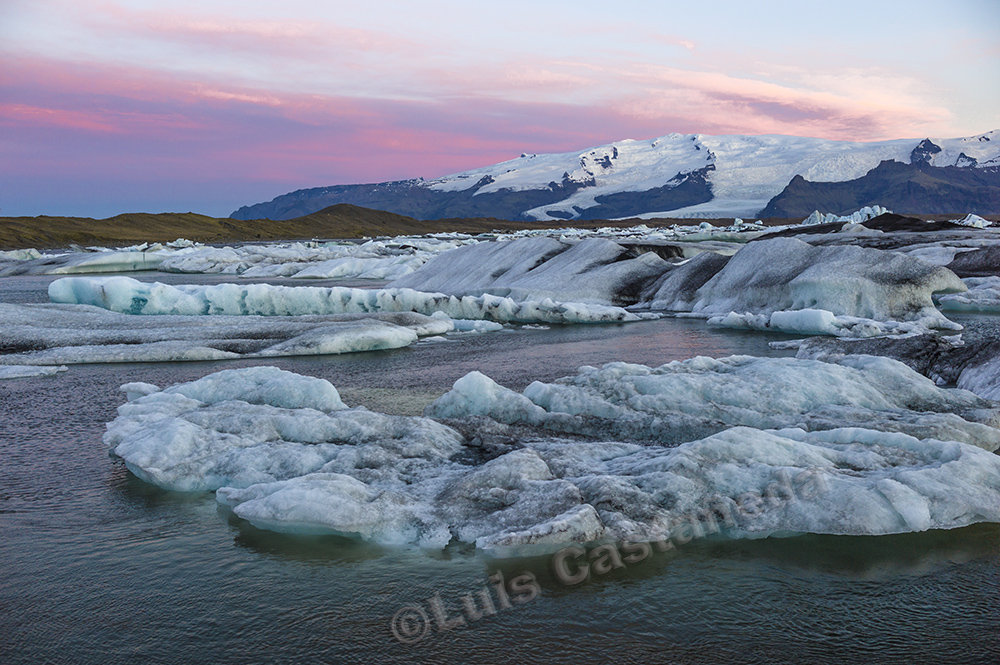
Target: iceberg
[(86, 263), (785, 284), (857, 217), (129, 296), (779, 274), (983, 296), (974, 367), (286, 454), (593, 271), (374, 259), (73, 334), (685, 400), (24, 371)]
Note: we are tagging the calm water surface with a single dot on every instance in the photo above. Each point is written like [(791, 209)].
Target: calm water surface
[(99, 567)]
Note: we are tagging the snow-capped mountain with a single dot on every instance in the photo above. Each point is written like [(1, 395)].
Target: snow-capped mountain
[(678, 175)]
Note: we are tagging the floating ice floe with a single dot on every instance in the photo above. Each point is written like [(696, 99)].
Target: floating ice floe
[(85, 263), (974, 367), (862, 215), (983, 296), (685, 400), (20, 255), (374, 259), (973, 220), (126, 295), (786, 284), (63, 334), (816, 322), (286, 454), (23, 371), (593, 271)]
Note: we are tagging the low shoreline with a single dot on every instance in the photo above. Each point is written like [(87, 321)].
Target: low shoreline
[(340, 221)]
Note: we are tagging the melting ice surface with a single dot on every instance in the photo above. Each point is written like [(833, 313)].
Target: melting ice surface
[(285, 453)]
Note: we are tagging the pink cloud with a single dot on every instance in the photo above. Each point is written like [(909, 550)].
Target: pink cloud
[(22, 115), (223, 145), (275, 38)]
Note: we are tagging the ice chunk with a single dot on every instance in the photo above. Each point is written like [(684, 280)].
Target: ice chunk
[(375, 259), (121, 353), (685, 400), (818, 322), (982, 378), (676, 289), (331, 502), (263, 385), (983, 296), (87, 262), (126, 295), (61, 334), (973, 220), (387, 268), (286, 455), (23, 371), (974, 367), (780, 274), (134, 391), (20, 255), (590, 271), (242, 427), (980, 262), (857, 217), (344, 339)]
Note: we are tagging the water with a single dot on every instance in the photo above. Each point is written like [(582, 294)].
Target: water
[(99, 567)]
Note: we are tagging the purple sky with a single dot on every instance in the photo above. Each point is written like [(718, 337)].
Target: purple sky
[(109, 107)]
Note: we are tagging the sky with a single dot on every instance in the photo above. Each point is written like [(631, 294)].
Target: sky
[(118, 106)]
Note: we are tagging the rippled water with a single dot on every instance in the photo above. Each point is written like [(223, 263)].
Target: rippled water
[(97, 566)]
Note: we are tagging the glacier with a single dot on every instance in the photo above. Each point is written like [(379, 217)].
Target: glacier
[(676, 175), (284, 452)]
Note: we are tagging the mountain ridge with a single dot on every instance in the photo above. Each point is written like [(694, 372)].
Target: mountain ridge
[(677, 175)]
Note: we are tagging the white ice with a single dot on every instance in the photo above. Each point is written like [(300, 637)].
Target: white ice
[(285, 453), (591, 271), (126, 295), (983, 296), (784, 277), (685, 400), (748, 170), (23, 371), (374, 259), (71, 334)]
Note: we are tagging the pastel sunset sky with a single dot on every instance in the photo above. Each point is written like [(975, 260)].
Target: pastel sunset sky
[(146, 105)]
